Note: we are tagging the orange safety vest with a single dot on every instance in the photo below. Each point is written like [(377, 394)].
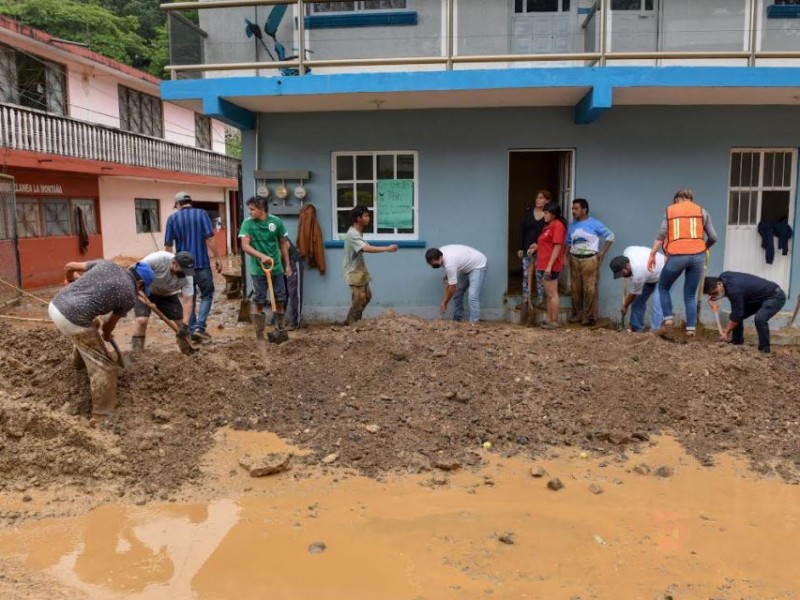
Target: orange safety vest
[(684, 229)]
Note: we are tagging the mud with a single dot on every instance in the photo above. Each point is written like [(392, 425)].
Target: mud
[(612, 531), (395, 393)]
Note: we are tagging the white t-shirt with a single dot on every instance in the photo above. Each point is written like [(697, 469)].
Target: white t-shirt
[(638, 257), (166, 283), (460, 259)]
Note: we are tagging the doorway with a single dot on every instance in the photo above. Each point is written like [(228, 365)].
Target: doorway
[(528, 172), (761, 193)]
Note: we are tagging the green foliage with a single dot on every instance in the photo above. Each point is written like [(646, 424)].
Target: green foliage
[(130, 31), (233, 142)]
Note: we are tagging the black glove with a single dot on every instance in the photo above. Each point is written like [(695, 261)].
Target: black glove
[(183, 331)]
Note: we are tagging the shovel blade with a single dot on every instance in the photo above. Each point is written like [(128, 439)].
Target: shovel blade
[(244, 311)]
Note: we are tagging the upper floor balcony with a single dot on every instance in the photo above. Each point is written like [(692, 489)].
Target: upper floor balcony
[(39, 132), (264, 37)]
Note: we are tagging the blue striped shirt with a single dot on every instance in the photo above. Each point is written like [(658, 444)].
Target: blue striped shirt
[(188, 229)]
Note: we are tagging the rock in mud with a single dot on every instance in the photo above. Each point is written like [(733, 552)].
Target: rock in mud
[(330, 459), (538, 472), (641, 469), (269, 464), (447, 464), (663, 472), (317, 548), (596, 489), (506, 538), (555, 484)]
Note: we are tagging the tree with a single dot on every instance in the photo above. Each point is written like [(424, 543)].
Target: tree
[(118, 36)]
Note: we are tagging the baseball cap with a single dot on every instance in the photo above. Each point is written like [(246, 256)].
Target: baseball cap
[(617, 265), (145, 273), (186, 261), (182, 197)]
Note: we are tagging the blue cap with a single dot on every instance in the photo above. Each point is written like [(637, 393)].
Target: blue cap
[(146, 274)]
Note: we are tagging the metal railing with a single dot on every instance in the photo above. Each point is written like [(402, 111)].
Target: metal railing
[(596, 26), (36, 131)]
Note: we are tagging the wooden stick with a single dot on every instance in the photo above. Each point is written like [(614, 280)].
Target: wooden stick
[(26, 319), (146, 301)]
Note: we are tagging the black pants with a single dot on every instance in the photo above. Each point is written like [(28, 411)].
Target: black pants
[(763, 311)]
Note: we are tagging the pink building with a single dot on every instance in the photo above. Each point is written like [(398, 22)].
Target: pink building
[(96, 154)]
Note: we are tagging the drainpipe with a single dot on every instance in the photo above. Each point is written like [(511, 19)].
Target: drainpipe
[(301, 33), (751, 60), (603, 23)]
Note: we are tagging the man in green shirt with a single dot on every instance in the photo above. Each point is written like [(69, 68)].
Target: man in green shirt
[(264, 238)]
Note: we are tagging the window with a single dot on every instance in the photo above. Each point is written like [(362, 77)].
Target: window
[(30, 81), (27, 218), (55, 216), (147, 215), (760, 186), (139, 112), (384, 181), (361, 5), (84, 209), (632, 4), (536, 6), (202, 131)]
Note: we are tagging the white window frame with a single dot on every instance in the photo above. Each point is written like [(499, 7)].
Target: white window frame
[(642, 7), (559, 9), (760, 188), (358, 6), (373, 209)]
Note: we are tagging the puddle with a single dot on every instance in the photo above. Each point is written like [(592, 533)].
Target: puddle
[(716, 532)]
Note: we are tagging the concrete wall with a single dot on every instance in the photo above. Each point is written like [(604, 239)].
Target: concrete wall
[(628, 164), (118, 214)]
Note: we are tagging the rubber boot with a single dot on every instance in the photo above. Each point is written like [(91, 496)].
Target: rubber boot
[(259, 320), (137, 344), (279, 335)]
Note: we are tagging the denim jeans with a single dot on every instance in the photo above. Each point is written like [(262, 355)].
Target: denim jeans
[(763, 311), (204, 286), (471, 284), (639, 307), (693, 265)]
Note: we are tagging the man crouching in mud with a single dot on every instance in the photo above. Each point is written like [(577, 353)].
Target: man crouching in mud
[(104, 288)]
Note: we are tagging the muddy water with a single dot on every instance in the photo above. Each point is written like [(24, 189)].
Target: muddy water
[(716, 532)]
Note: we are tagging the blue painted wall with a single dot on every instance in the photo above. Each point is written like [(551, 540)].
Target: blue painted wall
[(628, 164)]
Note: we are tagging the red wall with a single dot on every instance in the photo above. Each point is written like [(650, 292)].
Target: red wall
[(42, 260), (221, 242)]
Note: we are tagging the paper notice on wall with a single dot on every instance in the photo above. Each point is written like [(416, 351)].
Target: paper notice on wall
[(395, 204)]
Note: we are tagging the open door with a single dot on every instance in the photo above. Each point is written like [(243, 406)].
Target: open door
[(762, 191), (531, 171)]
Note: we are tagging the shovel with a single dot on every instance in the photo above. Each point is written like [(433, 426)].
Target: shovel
[(794, 314), (700, 326), (624, 296), (715, 309), (184, 344), (278, 336), (122, 361)]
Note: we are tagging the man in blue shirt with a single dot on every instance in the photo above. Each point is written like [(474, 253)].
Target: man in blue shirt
[(585, 257), (749, 295), (189, 229)]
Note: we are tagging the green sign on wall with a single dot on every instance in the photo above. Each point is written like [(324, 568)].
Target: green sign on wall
[(395, 203)]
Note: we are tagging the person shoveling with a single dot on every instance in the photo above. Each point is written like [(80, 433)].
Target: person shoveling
[(103, 288), (264, 239)]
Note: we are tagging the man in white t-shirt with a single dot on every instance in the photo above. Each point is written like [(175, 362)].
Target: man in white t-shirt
[(464, 270), (633, 264)]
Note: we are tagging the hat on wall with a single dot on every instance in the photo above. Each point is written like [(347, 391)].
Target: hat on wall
[(143, 271), (182, 198), (618, 264), (186, 261)]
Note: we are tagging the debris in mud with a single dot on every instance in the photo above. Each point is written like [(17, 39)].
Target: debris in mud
[(521, 385), (663, 472), (555, 484), (507, 538), (317, 548), (268, 464), (596, 489), (538, 472)]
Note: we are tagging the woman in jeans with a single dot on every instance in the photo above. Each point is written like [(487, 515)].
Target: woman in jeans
[(550, 258), (685, 235)]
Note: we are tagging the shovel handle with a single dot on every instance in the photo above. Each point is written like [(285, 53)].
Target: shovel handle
[(268, 273), (715, 309), (146, 301)]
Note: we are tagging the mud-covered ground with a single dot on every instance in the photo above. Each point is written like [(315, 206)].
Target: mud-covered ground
[(394, 392)]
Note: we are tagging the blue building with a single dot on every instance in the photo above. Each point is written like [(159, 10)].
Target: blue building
[(477, 105)]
